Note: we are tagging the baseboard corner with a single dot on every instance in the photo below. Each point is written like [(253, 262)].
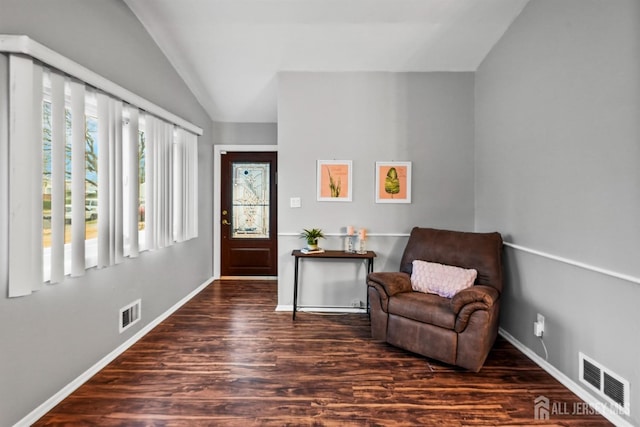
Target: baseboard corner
[(566, 381)]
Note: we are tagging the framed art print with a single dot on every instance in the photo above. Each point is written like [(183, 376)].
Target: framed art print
[(334, 180), (393, 182)]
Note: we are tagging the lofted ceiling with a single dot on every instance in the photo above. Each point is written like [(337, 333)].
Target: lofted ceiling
[(229, 52)]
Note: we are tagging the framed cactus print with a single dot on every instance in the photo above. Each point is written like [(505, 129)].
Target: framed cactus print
[(334, 180), (393, 182)]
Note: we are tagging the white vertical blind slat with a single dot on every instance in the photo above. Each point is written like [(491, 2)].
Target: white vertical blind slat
[(161, 190), (58, 151), (150, 181), (134, 172), (194, 186), (184, 185), (161, 194), (168, 179), (192, 192), (159, 177), (78, 161), (186, 176), (118, 183), (185, 206), (35, 147), (110, 124), (25, 161), (187, 185), (103, 180), (178, 185)]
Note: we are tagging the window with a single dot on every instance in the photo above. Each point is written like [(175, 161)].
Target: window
[(106, 181), (90, 176), (250, 200)]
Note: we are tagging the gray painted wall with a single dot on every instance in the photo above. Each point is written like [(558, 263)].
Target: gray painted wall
[(226, 133), (49, 338), (557, 147), (426, 118), (556, 130)]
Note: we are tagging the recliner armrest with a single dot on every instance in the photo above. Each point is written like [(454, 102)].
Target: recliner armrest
[(391, 282), (477, 293)]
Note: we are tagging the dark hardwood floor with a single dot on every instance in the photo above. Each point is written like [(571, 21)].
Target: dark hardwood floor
[(227, 358)]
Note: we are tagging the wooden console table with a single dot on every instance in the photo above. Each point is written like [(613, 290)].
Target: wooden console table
[(368, 256)]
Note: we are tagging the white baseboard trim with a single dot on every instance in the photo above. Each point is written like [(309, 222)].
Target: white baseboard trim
[(321, 309), (50, 403), (587, 397)]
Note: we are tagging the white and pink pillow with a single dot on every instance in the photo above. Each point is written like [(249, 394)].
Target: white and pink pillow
[(444, 280)]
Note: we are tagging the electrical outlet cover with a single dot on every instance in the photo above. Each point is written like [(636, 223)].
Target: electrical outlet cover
[(538, 329)]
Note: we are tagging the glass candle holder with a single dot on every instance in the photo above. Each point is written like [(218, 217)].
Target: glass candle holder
[(362, 246), (350, 248)]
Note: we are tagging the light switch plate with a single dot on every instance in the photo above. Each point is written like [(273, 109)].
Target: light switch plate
[(294, 202)]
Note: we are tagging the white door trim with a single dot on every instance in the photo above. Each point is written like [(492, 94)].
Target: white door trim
[(217, 153)]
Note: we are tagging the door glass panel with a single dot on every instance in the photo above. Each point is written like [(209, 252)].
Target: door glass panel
[(250, 204)]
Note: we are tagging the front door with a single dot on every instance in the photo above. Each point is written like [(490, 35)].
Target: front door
[(249, 214)]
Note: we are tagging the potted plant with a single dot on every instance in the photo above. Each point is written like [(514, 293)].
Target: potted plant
[(312, 236)]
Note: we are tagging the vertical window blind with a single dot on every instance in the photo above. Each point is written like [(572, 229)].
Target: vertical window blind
[(93, 178), (25, 175)]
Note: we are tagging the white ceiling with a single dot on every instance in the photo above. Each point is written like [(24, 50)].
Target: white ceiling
[(229, 52)]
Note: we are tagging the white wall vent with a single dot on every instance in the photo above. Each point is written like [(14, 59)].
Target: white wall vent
[(606, 383), (129, 315)]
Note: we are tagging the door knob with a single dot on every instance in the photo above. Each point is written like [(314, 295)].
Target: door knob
[(225, 222), (224, 212)]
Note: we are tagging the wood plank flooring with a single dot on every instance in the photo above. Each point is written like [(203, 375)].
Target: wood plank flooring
[(227, 358)]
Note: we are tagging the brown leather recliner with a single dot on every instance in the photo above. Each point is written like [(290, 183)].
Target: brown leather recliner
[(460, 330)]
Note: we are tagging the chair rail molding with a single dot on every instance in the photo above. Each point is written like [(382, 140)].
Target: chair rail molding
[(575, 263)]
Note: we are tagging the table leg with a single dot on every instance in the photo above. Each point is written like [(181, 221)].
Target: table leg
[(369, 270), (295, 287)]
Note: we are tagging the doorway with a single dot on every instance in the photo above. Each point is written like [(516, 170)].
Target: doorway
[(248, 214)]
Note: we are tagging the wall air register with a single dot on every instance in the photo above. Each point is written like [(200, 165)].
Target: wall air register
[(130, 315), (605, 383)]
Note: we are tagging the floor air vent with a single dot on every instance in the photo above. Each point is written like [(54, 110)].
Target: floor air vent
[(606, 383), (129, 315), (591, 373)]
